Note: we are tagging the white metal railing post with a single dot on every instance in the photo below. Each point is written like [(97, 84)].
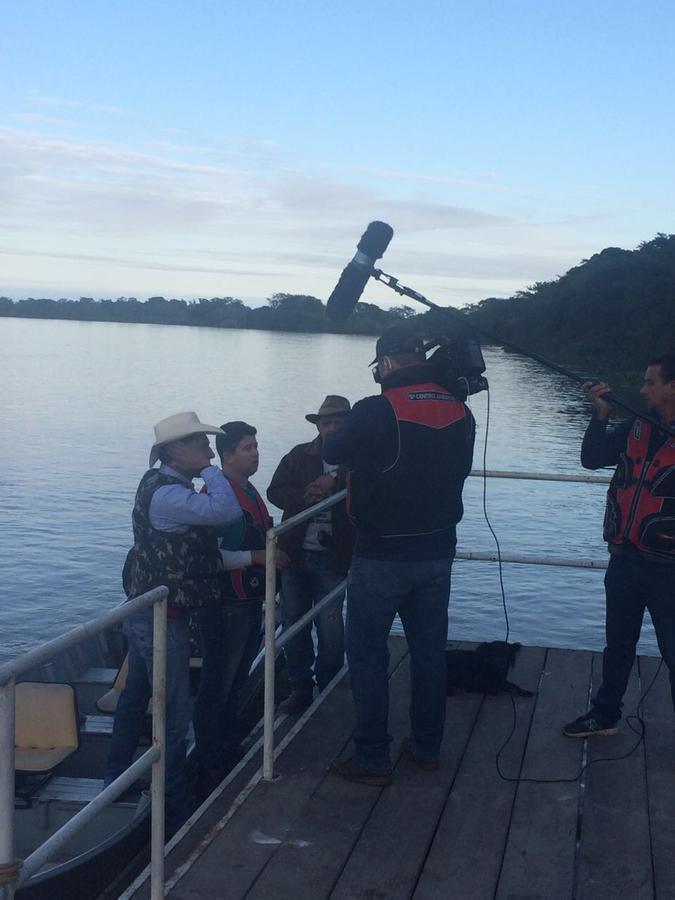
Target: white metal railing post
[(159, 629), (270, 654), (7, 714)]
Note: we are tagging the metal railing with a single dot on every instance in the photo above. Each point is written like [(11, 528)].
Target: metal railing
[(520, 558), (154, 757), (16, 874), (274, 643)]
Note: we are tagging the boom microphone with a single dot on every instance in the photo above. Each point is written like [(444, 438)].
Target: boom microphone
[(347, 292)]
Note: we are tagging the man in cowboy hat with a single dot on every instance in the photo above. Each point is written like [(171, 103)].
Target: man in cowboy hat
[(319, 551), (175, 544)]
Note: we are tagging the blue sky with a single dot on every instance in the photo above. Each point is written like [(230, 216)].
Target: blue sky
[(240, 149)]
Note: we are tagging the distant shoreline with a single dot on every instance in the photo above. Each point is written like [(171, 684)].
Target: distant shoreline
[(284, 312)]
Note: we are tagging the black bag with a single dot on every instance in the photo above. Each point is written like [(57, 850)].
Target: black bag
[(483, 670)]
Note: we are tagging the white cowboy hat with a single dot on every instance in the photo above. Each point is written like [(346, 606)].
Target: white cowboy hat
[(173, 428)]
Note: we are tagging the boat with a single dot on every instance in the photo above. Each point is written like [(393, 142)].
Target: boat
[(67, 705)]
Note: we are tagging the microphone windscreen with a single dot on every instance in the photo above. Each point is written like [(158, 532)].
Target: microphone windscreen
[(375, 240), (346, 292)]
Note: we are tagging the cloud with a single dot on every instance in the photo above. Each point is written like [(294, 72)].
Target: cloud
[(141, 264), (244, 217), (39, 119), (111, 187), (484, 180), (66, 103)]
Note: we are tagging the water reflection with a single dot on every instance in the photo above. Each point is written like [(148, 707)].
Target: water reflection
[(78, 404)]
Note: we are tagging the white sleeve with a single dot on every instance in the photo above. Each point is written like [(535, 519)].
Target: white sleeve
[(235, 559)]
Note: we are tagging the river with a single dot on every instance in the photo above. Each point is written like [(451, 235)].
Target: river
[(78, 403)]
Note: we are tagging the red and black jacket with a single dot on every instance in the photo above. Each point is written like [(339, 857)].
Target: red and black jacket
[(641, 497), (248, 583), (409, 451)]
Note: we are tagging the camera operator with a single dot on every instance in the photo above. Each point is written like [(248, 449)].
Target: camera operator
[(639, 529), (409, 451)]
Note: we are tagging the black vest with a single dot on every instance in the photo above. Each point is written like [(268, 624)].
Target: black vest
[(189, 564), (420, 493)]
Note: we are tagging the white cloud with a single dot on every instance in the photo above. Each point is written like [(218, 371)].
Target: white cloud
[(39, 119), (244, 218)]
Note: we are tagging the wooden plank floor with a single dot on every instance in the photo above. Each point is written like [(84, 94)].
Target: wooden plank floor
[(465, 831)]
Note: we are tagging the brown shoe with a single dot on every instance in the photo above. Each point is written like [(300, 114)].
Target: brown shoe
[(426, 764), (351, 770), (296, 702)]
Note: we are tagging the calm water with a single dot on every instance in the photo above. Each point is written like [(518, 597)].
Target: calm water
[(77, 408)]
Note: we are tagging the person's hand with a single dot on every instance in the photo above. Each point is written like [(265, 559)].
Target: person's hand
[(319, 488), (594, 391), (282, 559), (189, 457), (258, 557)]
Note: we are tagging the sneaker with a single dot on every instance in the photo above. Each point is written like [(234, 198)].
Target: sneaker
[(425, 763), (296, 702), (352, 770), (589, 724)]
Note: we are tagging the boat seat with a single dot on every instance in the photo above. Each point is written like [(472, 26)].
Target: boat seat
[(46, 730)]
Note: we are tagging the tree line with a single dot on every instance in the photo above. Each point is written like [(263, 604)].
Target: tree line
[(283, 312), (616, 309)]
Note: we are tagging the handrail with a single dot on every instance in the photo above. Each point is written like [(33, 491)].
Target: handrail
[(273, 642), (37, 655), (532, 560), (153, 758), (540, 476)]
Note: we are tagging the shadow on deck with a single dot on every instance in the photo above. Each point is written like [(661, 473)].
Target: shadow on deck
[(462, 832)]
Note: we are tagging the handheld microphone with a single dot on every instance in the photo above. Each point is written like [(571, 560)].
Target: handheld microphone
[(347, 292)]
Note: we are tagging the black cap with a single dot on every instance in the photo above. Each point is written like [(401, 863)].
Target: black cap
[(398, 339)]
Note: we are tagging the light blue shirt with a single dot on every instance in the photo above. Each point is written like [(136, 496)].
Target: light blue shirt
[(174, 507)]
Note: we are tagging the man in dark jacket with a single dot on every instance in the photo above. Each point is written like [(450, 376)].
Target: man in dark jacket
[(319, 551), (409, 451), (640, 530)]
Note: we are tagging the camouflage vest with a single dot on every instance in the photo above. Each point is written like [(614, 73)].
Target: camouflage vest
[(189, 564)]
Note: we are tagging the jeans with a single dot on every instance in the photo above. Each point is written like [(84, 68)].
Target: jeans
[(631, 586), (301, 588), (419, 592), (133, 702), (230, 638)]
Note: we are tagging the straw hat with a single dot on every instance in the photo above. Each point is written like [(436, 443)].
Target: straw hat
[(173, 428)]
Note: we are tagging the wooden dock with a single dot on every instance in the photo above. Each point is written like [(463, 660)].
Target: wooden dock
[(461, 832)]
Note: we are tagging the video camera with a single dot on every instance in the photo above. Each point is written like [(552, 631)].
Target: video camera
[(458, 363)]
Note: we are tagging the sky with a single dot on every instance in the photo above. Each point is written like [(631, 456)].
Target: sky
[(240, 148)]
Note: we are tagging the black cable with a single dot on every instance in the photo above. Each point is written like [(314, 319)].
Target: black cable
[(489, 524), (641, 736)]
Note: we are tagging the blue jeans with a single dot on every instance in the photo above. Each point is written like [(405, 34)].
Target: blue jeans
[(301, 588), (419, 592), (230, 638), (133, 702), (631, 586)]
